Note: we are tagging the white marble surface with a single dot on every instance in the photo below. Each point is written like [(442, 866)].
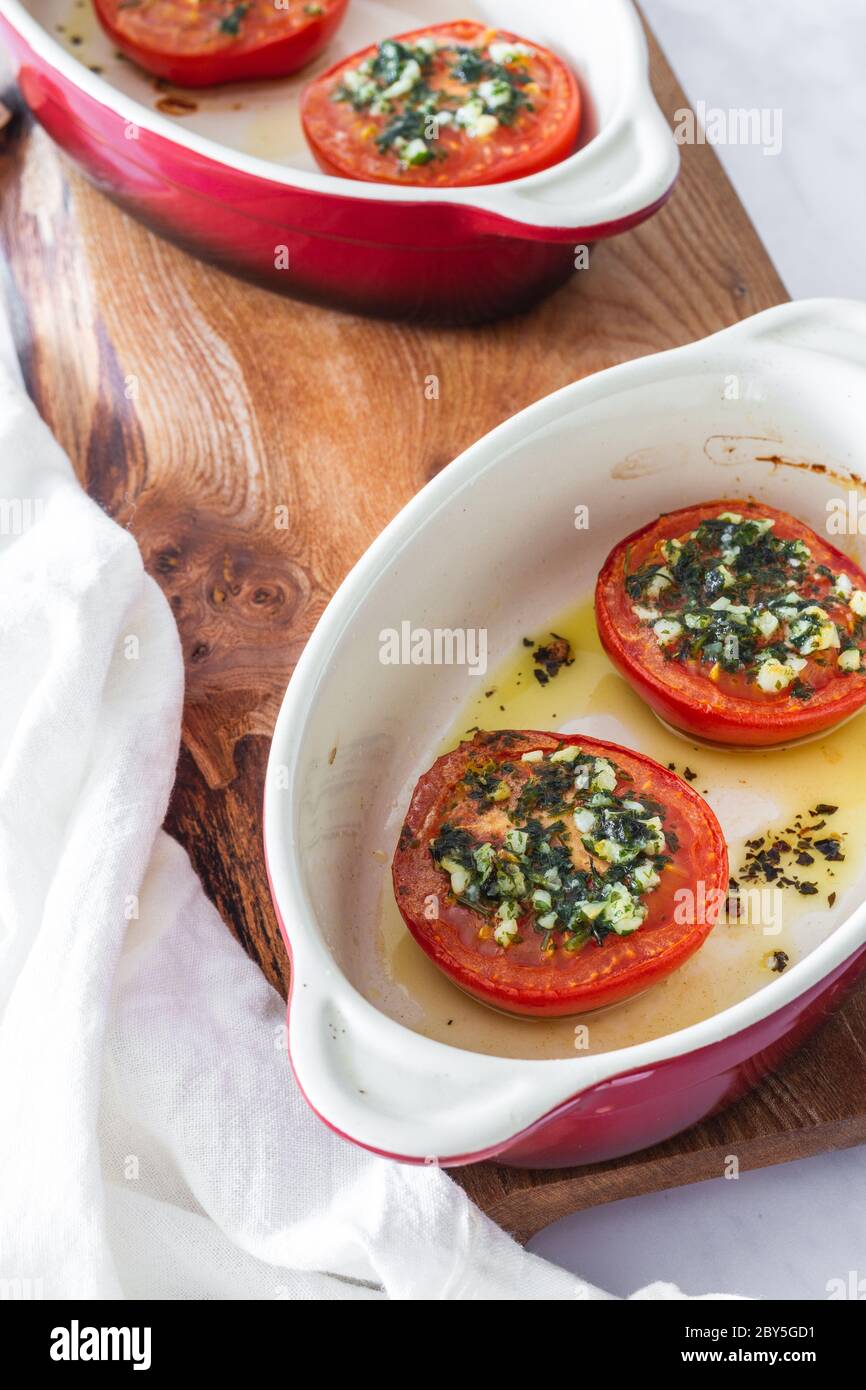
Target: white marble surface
[(809, 201), (785, 1232), (796, 1231)]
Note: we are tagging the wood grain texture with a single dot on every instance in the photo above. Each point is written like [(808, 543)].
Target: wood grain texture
[(255, 446)]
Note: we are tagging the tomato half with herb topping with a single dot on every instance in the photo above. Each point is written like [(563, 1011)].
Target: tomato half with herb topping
[(736, 623), (551, 874), (447, 106), (201, 43)]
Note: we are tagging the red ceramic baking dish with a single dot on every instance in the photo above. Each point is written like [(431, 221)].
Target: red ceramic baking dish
[(226, 172), (387, 1049)]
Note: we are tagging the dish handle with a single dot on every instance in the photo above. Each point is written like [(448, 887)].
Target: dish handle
[(830, 327), (398, 1093), (620, 174)]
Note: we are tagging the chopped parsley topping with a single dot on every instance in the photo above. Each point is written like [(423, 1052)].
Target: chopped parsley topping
[(397, 84), (551, 657), (732, 597), (577, 857), (231, 23)]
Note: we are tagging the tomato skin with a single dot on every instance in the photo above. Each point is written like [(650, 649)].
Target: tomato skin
[(593, 977), (340, 153), (253, 57), (690, 702)]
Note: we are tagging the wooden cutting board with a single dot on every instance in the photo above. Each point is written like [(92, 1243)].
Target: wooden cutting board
[(192, 405)]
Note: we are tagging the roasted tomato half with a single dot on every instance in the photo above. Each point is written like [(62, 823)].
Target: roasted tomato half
[(200, 43), (446, 106), (736, 623), (550, 874)]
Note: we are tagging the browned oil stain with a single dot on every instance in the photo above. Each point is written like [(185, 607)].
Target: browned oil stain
[(641, 463), (176, 106), (844, 479), (730, 442)]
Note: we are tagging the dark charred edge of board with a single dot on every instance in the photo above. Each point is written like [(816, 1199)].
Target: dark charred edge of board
[(116, 458), (205, 821), (12, 148)]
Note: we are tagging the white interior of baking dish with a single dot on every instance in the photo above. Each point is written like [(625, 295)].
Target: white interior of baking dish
[(627, 158), (354, 734)]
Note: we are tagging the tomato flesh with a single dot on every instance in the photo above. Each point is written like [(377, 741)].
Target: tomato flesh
[(468, 118), (730, 700), (202, 43), (536, 973)]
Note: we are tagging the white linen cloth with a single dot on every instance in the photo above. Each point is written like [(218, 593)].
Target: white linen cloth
[(154, 1143)]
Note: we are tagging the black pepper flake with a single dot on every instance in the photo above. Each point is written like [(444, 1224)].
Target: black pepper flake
[(831, 849), (778, 960), (689, 775), (765, 854), (408, 839)]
